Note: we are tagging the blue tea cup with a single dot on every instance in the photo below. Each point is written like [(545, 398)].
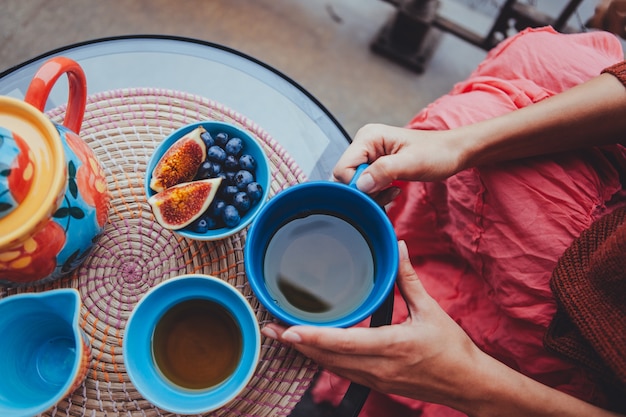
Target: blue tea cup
[(191, 344), (322, 253)]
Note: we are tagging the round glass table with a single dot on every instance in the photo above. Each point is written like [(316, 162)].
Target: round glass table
[(140, 88), (294, 118)]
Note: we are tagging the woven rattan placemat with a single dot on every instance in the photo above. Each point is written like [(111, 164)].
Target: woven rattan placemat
[(123, 127)]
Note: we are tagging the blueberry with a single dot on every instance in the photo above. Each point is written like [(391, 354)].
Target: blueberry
[(214, 169), (229, 192), (231, 216), (224, 178), (208, 169), (216, 208), (216, 154), (243, 178), (208, 139), (231, 163), (203, 224), (200, 226), (234, 146), (255, 191), (247, 162), (213, 222), (221, 139), (242, 202), (204, 170), (228, 178)]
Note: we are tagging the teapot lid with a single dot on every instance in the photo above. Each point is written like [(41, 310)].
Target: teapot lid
[(32, 171)]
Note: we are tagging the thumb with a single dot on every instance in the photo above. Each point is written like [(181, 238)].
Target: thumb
[(379, 175), (409, 284)]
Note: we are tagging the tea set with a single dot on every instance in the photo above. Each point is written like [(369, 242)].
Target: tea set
[(54, 206)]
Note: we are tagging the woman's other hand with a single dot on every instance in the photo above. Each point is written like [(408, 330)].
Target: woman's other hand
[(396, 153)]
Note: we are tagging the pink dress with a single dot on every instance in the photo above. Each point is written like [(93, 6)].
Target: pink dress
[(485, 241)]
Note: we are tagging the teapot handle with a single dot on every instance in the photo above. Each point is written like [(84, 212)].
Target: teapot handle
[(43, 81)]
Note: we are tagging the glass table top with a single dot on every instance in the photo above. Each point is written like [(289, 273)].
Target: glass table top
[(291, 115)]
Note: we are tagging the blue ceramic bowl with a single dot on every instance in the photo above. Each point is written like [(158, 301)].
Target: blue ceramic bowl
[(250, 146), (138, 357)]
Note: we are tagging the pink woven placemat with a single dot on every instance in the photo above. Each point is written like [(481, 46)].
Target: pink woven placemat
[(123, 127)]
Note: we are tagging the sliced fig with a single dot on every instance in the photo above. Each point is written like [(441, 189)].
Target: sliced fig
[(180, 162), (181, 204)]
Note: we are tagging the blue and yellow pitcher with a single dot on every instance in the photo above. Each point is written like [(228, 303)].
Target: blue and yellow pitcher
[(54, 200)]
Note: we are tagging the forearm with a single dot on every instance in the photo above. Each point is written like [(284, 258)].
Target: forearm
[(590, 114), (498, 390)]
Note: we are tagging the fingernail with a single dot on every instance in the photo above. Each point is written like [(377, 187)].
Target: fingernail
[(291, 337), (404, 251), (269, 333), (365, 183)]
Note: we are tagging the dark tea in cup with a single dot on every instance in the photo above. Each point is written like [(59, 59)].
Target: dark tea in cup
[(197, 344), (319, 266), (321, 253), (191, 344)]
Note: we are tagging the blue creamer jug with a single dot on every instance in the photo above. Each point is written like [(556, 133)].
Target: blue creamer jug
[(44, 354)]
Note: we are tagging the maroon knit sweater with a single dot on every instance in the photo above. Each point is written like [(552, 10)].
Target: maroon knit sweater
[(589, 284)]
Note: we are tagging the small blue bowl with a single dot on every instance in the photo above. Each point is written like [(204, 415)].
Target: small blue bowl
[(137, 350), (250, 145)]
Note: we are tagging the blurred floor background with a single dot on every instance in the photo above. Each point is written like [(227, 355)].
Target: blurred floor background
[(323, 45)]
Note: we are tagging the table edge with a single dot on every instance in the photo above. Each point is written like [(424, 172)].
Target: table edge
[(189, 40)]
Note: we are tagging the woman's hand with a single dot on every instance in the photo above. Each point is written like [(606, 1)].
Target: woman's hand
[(396, 153), (590, 114), (427, 357)]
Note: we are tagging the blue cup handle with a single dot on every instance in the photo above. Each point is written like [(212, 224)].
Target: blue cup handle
[(357, 174)]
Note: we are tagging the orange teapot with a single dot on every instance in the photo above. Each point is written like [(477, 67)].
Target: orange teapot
[(54, 199)]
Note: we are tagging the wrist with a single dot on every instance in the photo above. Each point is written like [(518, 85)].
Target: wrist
[(493, 389), (503, 138), (477, 391), (475, 144)]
